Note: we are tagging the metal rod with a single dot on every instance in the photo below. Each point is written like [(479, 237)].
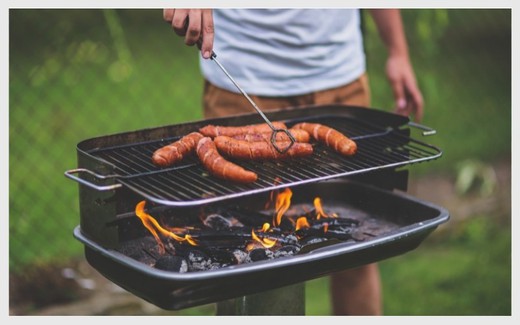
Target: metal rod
[(275, 130), (214, 58)]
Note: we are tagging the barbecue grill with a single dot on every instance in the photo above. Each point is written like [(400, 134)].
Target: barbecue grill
[(115, 173)]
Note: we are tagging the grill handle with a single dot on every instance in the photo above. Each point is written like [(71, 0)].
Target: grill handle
[(70, 174), (426, 130)]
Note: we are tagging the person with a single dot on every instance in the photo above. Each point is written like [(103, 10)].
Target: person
[(294, 57)]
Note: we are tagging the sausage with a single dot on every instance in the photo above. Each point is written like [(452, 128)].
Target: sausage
[(331, 137), (215, 130), (298, 135), (219, 167), (176, 151), (260, 150)]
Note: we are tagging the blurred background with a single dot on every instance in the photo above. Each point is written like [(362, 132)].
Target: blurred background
[(79, 74)]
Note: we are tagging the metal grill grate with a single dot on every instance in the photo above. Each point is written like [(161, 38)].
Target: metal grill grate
[(189, 184)]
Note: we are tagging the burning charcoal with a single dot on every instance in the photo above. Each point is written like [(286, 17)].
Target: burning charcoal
[(286, 225), (259, 254), (339, 234), (228, 238), (222, 256), (197, 256), (312, 240), (200, 261), (286, 251), (336, 222), (217, 222), (240, 256), (172, 263), (291, 239), (307, 232), (182, 250), (280, 238), (330, 233), (144, 250)]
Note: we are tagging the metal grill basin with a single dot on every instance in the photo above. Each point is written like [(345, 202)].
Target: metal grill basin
[(400, 224)]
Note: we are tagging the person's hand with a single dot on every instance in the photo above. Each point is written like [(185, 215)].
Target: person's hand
[(408, 97), (193, 25)]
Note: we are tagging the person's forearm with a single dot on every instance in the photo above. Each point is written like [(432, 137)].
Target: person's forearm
[(399, 70), (390, 28)]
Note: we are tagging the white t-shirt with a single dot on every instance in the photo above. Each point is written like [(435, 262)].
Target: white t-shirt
[(286, 52)]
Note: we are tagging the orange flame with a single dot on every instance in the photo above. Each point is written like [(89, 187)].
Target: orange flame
[(265, 242), (149, 222), (301, 223), (283, 201), (152, 225), (325, 227), (266, 227), (319, 209)]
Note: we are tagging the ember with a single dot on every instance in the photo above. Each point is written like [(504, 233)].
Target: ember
[(234, 235)]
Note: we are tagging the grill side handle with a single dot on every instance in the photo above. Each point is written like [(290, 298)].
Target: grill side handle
[(70, 174), (426, 130)]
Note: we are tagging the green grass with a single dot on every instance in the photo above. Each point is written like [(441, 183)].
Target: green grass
[(465, 272), (74, 75)]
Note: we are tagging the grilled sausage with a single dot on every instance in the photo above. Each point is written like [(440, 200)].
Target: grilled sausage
[(261, 150), (298, 135), (215, 130), (176, 151), (219, 167), (331, 137)]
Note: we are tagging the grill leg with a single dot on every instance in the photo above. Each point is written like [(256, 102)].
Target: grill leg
[(289, 300)]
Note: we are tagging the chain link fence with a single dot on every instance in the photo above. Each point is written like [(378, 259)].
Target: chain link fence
[(78, 74)]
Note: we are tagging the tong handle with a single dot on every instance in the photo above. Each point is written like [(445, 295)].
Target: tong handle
[(213, 57)]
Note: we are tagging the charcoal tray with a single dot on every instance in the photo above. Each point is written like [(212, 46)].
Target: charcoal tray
[(413, 219)]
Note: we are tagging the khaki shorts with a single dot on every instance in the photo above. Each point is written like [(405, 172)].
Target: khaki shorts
[(218, 102)]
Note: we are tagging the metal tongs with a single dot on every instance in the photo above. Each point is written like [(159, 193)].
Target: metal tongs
[(275, 130)]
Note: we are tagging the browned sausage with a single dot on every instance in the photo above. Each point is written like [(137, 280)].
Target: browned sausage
[(176, 151), (219, 167), (215, 130), (261, 150), (299, 136), (331, 137)]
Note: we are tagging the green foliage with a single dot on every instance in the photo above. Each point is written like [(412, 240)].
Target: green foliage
[(430, 27), (472, 274), (475, 175), (82, 83), (317, 298), (462, 60)]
